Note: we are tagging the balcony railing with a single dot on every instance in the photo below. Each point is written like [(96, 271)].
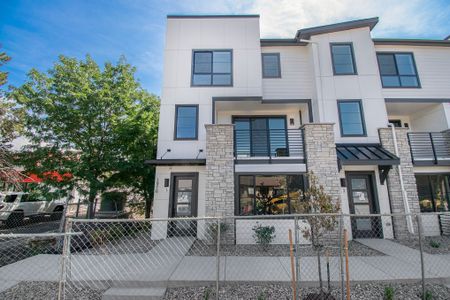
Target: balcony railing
[(429, 148), (268, 143)]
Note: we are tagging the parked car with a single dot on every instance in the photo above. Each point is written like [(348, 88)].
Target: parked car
[(15, 206)]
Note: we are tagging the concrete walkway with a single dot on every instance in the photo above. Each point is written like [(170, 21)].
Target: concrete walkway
[(165, 265)]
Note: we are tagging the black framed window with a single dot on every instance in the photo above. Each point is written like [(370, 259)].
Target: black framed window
[(212, 68), (398, 70), (186, 122), (269, 194), (343, 59), (433, 192), (271, 65), (351, 118)]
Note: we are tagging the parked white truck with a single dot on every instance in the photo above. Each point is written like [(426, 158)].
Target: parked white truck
[(15, 206)]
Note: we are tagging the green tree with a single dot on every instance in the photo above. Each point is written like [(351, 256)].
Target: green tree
[(87, 121), (4, 58)]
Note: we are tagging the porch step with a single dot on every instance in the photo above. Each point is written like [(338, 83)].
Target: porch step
[(134, 293)]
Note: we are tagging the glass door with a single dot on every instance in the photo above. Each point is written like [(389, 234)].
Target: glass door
[(362, 202), (183, 204)]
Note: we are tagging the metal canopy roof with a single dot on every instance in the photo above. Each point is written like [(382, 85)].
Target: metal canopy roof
[(365, 154)]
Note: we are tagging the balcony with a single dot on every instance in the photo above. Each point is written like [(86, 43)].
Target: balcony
[(429, 148), (268, 144)]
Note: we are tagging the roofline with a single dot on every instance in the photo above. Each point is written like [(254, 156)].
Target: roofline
[(447, 38), (176, 162), (209, 16), (412, 42), (281, 42), (306, 33)]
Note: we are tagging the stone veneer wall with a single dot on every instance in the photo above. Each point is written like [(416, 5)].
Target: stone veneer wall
[(320, 155), (393, 179)]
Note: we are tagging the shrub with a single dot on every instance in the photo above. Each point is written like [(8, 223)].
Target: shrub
[(389, 293), (428, 295), (264, 235), (435, 244)]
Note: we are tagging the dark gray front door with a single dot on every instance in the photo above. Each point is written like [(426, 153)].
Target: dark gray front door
[(362, 201), (183, 203)]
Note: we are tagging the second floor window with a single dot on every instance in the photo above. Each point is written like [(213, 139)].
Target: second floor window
[(271, 65), (186, 122), (351, 118), (397, 70), (212, 68), (343, 59)]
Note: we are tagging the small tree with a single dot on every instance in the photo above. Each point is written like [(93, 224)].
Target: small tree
[(316, 201)]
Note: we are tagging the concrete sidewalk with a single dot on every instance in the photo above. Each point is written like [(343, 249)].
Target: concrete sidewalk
[(165, 264)]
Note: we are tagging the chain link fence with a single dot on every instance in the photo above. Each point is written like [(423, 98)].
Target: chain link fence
[(313, 256)]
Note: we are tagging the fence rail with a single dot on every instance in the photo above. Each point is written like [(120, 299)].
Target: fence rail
[(257, 257), (429, 148)]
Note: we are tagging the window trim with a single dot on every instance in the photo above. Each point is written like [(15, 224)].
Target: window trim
[(175, 138), (212, 61), (355, 69), (363, 121), (419, 85), (277, 54)]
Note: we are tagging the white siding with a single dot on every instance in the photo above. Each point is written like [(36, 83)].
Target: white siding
[(297, 78), (433, 67)]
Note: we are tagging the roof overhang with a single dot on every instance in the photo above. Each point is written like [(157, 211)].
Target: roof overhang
[(412, 42), (306, 33), (175, 162)]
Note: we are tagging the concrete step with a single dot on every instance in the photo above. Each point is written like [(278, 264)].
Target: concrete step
[(147, 293)]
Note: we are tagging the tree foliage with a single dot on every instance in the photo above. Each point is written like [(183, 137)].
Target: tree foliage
[(93, 123)]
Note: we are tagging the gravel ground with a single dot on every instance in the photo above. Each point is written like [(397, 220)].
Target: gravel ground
[(44, 290), (16, 249), (370, 291), (442, 241), (199, 248)]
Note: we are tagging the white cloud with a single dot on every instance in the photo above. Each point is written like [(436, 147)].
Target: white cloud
[(282, 18)]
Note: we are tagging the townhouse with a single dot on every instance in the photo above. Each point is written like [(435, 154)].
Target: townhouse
[(243, 119)]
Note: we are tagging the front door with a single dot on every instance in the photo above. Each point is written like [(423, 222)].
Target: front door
[(362, 201), (183, 204)]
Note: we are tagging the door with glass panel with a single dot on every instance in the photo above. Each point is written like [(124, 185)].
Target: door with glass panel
[(183, 203), (362, 201)]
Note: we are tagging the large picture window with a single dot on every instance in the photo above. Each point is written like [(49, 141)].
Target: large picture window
[(212, 68), (186, 122), (434, 192), (351, 118), (398, 70), (269, 194)]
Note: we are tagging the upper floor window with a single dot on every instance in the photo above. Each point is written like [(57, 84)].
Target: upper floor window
[(186, 122), (271, 65), (343, 59), (351, 118), (398, 70), (212, 68)]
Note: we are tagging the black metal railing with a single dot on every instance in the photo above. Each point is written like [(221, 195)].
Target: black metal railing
[(429, 148), (268, 143)]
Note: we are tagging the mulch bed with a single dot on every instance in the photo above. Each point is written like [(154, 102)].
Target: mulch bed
[(430, 245)]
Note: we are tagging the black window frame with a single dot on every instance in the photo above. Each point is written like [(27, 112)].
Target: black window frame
[(350, 44), (212, 72), (277, 55), (432, 190), (175, 137), (361, 111), (393, 53), (237, 204)]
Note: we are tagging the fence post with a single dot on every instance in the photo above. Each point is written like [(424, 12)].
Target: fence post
[(64, 260), (297, 263), (422, 265), (341, 254), (218, 259)]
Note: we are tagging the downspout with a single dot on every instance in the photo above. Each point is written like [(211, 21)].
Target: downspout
[(402, 185)]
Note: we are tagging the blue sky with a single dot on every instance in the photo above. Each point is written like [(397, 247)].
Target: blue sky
[(34, 33)]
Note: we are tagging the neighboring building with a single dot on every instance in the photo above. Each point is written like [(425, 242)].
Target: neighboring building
[(243, 119)]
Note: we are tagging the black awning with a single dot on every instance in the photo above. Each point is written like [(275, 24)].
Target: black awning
[(176, 162), (365, 154)]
